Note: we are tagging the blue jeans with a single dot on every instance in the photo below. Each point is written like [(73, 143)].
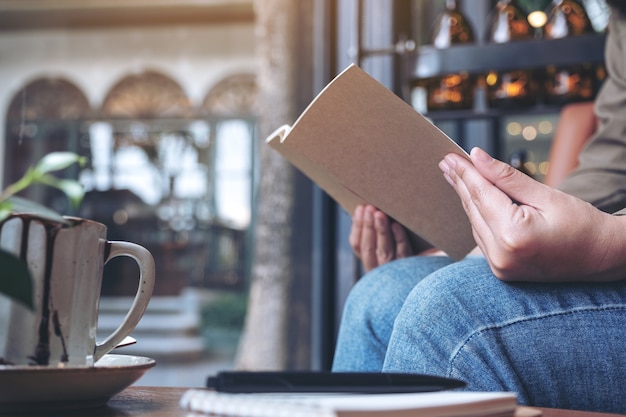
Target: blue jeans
[(555, 345)]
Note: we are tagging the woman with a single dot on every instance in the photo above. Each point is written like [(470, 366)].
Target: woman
[(540, 308)]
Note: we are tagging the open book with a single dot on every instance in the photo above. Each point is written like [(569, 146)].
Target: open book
[(361, 143), (435, 404)]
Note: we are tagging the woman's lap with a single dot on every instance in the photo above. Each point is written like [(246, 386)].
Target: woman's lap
[(371, 309), (557, 345)]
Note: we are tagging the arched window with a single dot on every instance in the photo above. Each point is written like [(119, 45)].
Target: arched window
[(234, 95), (149, 94), (44, 116), (172, 177), (177, 179)]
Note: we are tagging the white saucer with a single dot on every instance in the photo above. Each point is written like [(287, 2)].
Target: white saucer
[(33, 388)]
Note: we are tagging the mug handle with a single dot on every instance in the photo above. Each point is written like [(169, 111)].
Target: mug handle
[(146, 284)]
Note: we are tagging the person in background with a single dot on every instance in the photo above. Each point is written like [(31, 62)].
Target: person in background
[(539, 308), (577, 124)]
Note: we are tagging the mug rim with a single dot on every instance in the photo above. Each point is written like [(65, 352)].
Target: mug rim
[(74, 220)]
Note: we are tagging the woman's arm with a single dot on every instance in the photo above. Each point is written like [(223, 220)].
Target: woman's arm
[(577, 123)]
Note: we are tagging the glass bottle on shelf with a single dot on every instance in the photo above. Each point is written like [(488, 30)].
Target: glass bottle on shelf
[(514, 88), (451, 27), (571, 83), (567, 18), (452, 91), (599, 13), (511, 89), (508, 23)]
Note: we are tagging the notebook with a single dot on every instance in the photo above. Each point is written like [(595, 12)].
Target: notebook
[(203, 402), (363, 144)]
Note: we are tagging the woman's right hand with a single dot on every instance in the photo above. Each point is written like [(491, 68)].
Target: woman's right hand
[(529, 231), (376, 239)]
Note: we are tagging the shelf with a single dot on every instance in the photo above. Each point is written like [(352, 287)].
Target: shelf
[(495, 113), (432, 62)]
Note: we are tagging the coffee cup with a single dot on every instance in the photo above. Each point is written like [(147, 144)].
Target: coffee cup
[(66, 263)]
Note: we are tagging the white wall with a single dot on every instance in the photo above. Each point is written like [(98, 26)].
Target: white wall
[(195, 56)]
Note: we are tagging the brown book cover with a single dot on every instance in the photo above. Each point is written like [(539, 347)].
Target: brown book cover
[(361, 143)]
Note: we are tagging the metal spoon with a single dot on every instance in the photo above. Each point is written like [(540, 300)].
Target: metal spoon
[(127, 341)]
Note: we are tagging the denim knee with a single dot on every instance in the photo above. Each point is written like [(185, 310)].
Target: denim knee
[(556, 345), (436, 317), (380, 294), (371, 309)]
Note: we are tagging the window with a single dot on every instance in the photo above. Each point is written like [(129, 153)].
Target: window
[(176, 179)]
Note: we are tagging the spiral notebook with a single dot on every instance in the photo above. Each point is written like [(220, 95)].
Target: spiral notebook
[(204, 402)]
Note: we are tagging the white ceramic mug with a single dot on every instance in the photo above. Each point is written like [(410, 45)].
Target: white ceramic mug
[(67, 265)]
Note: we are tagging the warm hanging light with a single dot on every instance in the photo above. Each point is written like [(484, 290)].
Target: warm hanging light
[(537, 18), (536, 12)]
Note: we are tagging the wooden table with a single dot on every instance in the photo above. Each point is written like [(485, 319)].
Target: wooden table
[(163, 402)]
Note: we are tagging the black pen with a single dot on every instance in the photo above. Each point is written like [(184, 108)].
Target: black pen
[(341, 382)]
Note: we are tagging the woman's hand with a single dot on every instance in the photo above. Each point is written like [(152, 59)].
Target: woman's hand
[(529, 231), (375, 239)]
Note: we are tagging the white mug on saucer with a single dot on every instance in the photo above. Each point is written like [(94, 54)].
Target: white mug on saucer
[(66, 263)]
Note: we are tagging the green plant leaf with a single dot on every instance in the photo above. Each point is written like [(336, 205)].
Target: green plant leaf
[(22, 205), (56, 161), (19, 185), (5, 209), (72, 189), (16, 280)]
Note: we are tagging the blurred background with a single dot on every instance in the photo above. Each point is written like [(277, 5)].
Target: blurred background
[(171, 101)]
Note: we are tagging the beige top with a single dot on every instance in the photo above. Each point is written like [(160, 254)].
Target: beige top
[(601, 175)]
